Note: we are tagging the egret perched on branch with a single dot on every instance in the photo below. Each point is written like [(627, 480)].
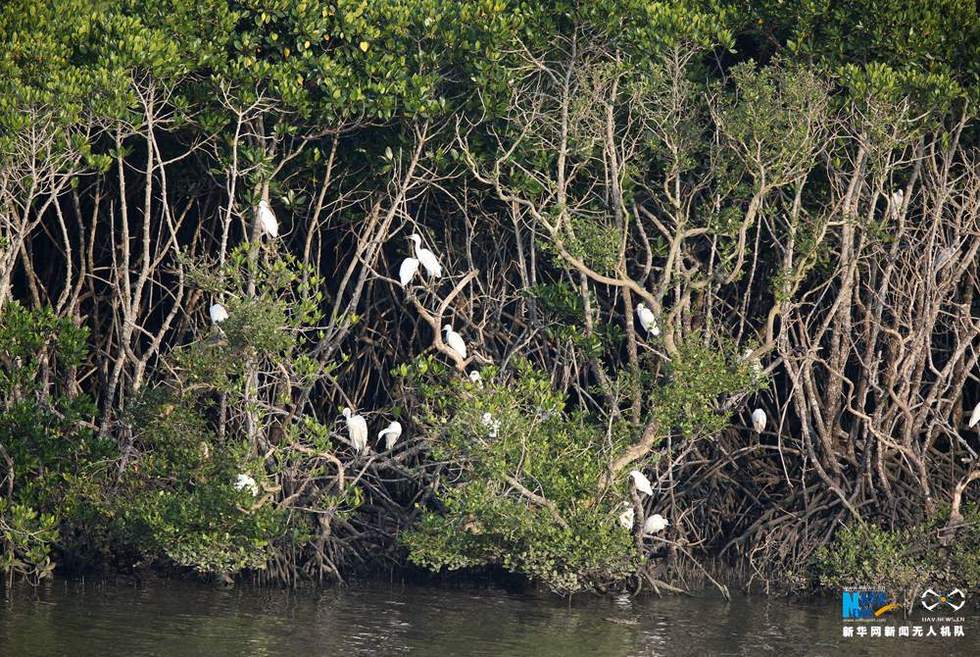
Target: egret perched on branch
[(641, 482), (627, 517), (974, 419), (218, 313), (758, 420), (895, 202), (426, 257), (267, 219), (654, 524), (391, 434), (755, 363), (647, 320), (897, 197), (407, 271), (974, 416), (455, 341), (492, 424), (244, 481), (356, 430)]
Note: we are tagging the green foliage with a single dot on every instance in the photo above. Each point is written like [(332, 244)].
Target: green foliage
[(73, 72), (595, 242), (51, 459), (271, 327), (773, 120), (180, 500), (700, 376), (901, 561), (928, 38), (530, 438)]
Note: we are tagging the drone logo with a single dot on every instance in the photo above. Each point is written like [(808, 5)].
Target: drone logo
[(955, 599)]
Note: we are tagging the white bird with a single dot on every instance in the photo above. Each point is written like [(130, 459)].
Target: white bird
[(356, 430), (641, 482), (267, 219), (755, 363), (895, 202), (426, 257), (654, 524), (475, 377), (627, 517), (455, 341), (492, 425), (218, 313), (974, 416), (758, 420), (244, 481), (647, 320), (407, 271), (391, 434)]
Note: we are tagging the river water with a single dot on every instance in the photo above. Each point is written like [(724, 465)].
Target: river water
[(75, 619)]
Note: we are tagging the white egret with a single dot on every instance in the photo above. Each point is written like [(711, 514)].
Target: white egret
[(641, 482), (218, 313), (754, 363), (492, 424), (974, 416), (654, 524), (407, 271), (356, 430), (627, 517), (895, 202), (758, 420), (647, 320), (475, 377), (455, 341), (426, 257), (244, 481), (267, 219), (391, 434)]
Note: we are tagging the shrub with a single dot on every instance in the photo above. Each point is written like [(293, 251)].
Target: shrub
[(521, 493), (901, 561), (179, 500), (51, 459)]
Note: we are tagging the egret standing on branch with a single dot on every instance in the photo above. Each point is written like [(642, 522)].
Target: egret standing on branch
[(356, 430), (426, 257), (391, 434), (758, 420), (754, 363), (974, 416), (895, 202), (627, 517), (492, 424), (244, 481), (654, 524), (647, 320), (218, 313), (641, 482), (407, 271), (455, 341), (267, 220)]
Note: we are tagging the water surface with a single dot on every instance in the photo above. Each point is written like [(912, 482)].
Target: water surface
[(75, 619)]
